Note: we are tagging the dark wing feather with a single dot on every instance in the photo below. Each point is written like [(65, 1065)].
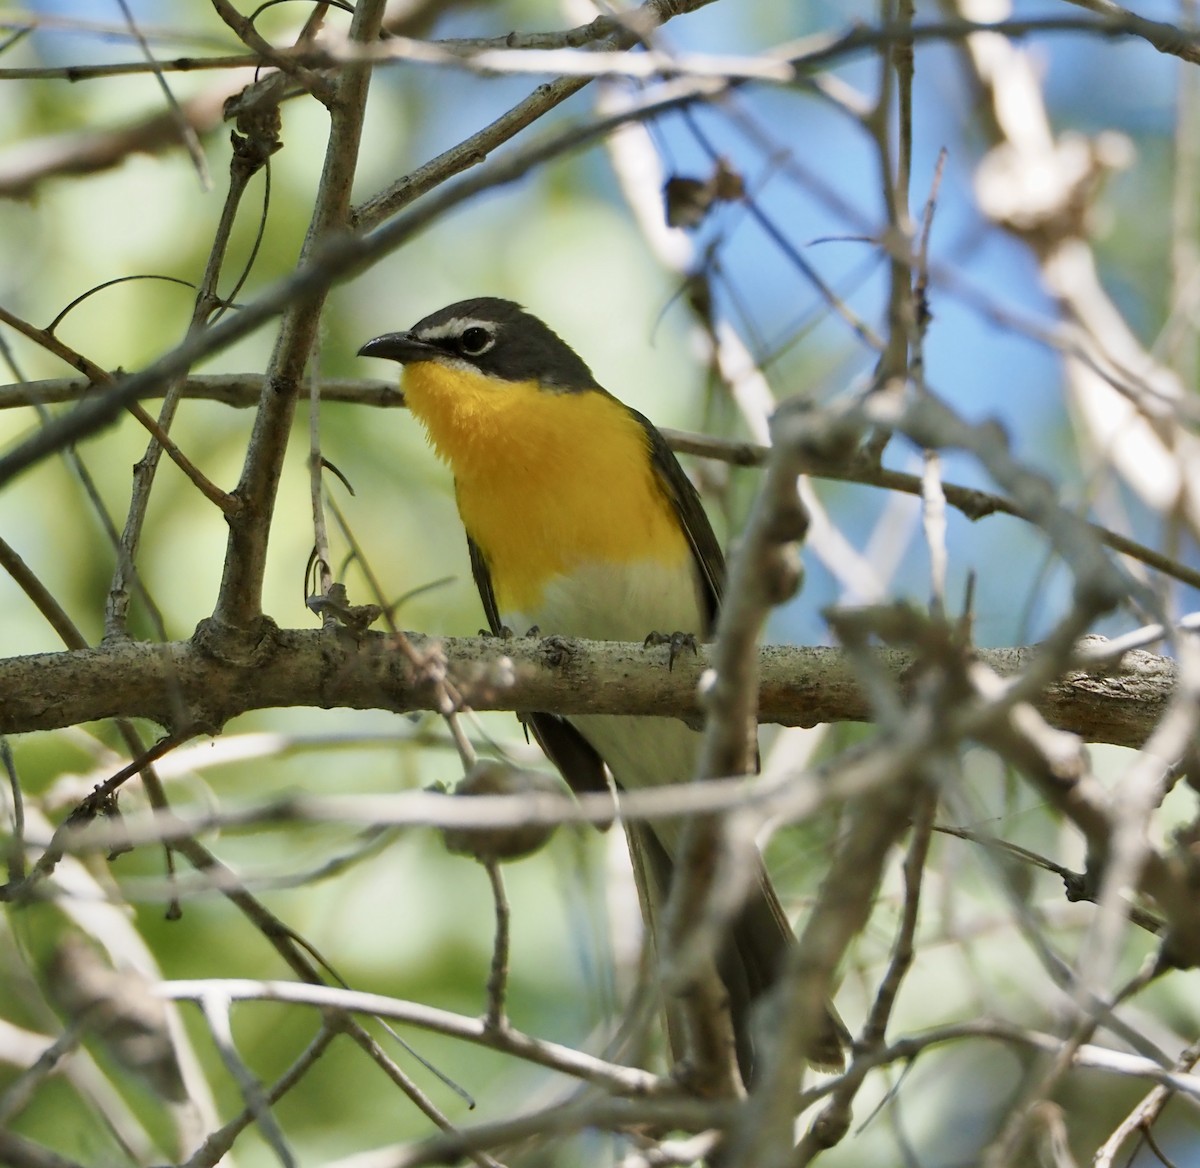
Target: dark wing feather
[(760, 935), (565, 747), (574, 755), (710, 562), (483, 581)]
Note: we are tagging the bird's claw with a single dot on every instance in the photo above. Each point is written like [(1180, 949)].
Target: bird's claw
[(678, 641)]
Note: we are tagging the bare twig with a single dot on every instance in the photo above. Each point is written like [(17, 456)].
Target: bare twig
[(250, 153), (497, 986), (539, 52), (216, 1014), (239, 605), (217, 1144), (320, 87), (182, 125), (415, 1095), (621, 1080), (474, 149), (24, 1153), (1144, 1114), (99, 377)]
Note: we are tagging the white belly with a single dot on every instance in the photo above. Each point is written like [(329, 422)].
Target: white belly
[(599, 603), (603, 603)]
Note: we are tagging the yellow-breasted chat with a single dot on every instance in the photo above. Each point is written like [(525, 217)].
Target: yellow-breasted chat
[(581, 522)]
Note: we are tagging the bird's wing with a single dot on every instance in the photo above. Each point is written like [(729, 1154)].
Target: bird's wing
[(566, 748), (706, 551), (760, 935), (483, 581)]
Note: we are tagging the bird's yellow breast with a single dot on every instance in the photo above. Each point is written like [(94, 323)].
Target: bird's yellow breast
[(547, 482)]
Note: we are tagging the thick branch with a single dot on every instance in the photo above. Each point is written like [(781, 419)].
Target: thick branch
[(183, 686)]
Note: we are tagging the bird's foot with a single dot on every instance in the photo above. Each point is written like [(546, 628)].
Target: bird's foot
[(677, 640)]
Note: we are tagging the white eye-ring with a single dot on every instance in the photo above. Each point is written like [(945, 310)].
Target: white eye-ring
[(476, 340)]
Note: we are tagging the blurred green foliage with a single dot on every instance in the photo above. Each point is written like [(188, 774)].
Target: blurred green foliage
[(406, 919)]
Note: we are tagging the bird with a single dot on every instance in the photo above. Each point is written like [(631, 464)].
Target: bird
[(580, 522)]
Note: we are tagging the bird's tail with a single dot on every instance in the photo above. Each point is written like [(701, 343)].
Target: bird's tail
[(750, 963)]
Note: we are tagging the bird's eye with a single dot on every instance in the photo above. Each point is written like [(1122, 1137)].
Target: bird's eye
[(475, 341)]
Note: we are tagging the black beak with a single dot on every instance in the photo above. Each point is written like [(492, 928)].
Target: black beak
[(402, 347)]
